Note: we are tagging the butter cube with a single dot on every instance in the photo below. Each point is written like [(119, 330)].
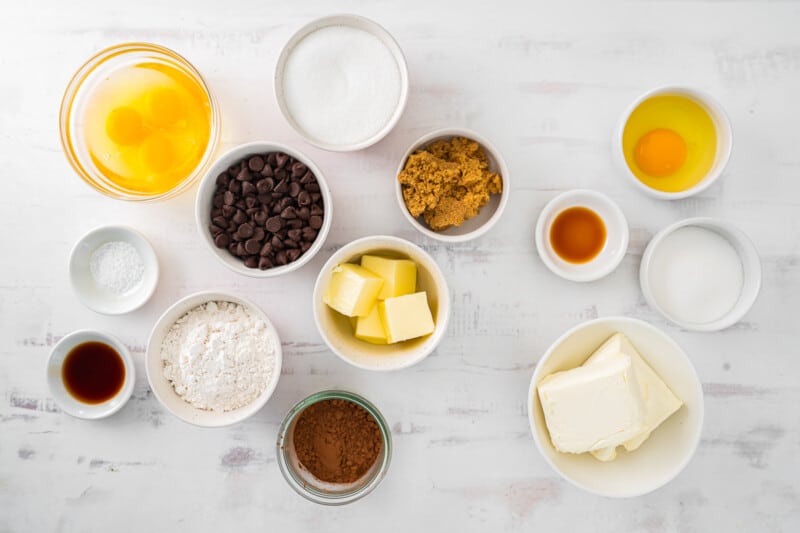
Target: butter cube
[(399, 275), (370, 329), (406, 317), (352, 290), (659, 401), (592, 407)]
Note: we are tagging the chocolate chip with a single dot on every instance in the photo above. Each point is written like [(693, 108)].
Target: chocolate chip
[(315, 221), (251, 262), (246, 230), (293, 254), (223, 179), (289, 213), (281, 258), (303, 213), (240, 250), (265, 199), (271, 161), (244, 175), (222, 240), (298, 170), (307, 178), (285, 202), (294, 234), (305, 246), (264, 263), (266, 171), (260, 217), (294, 189), (228, 211), (235, 186), (277, 243), (303, 197), (221, 222), (274, 224), (265, 185), (259, 234), (228, 198), (281, 174), (255, 163), (219, 201), (248, 188), (289, 243), (309, 233), (316, 210), (295, 223), (252, 246), (311, 187), (281, 159), (265, 250), (250, 202), (282, 187)]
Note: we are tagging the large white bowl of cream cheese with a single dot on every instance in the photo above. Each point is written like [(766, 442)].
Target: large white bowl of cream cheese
[(669, 447)]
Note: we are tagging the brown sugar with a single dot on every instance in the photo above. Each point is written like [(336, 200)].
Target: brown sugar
[(448, 182), (337, 440)]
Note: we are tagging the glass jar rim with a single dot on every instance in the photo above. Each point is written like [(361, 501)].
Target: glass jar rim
[(73, 89), (310, 493)]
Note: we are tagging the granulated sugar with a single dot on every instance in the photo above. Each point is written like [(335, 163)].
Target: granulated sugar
[(341, 85), (219, 356)]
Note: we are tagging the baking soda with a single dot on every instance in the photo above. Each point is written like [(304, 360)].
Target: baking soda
[(341, 85), (696, 275)]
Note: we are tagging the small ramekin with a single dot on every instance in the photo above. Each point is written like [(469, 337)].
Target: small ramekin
[(489, 214), (360, 23), (336, 330), (79, 88), (304, 483), (613, 251), (55, 381), (751, 266), (81, 278), (205, 195), (724, 140)]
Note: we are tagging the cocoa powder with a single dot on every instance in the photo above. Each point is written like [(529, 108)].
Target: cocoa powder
[(337, 440)]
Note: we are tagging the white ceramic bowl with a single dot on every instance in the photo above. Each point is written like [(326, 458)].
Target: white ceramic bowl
[(360, 23), (336, 330), (98, 299), (488, 215), (64, 399), (751, 266), (163, 389), (724, 140), (205, 196), (670, 447), (616, 235)]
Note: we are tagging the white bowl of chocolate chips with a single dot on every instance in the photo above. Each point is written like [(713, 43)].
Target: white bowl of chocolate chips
[(263, 209)]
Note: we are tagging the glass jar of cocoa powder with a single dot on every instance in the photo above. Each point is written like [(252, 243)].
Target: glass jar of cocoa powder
[(334, 447)]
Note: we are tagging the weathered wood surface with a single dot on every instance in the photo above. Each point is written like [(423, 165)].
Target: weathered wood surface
[(546, 82)]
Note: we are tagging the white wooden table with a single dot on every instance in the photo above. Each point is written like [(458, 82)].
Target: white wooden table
[(546, 82)]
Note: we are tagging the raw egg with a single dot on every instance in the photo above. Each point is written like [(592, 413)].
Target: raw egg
[(670, 142)]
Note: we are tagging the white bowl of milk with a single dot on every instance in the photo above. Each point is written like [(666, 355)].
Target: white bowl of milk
[(702, 274)]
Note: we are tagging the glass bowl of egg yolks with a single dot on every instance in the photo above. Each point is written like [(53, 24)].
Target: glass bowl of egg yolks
[(138, 122), (673, 142)]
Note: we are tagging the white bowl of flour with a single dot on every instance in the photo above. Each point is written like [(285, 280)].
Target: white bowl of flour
[(213, 359), (342, 82)]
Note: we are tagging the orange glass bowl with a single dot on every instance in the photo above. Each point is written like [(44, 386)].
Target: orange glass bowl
[(79, 92)]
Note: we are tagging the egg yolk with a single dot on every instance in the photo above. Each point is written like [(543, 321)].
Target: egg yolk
[(124, 126), (157, 153), (660, 152), (164, 106)]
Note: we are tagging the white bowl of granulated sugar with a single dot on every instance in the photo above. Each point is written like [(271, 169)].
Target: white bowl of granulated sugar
[(213, 359)]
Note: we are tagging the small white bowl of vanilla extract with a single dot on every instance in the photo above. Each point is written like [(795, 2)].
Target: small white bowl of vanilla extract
[(90, 374), (581, 235)]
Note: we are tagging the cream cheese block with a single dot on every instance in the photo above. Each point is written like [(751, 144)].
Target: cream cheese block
[(658, 400), (594, 406)]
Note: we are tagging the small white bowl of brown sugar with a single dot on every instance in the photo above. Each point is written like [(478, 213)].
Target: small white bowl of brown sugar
[(452, 185)]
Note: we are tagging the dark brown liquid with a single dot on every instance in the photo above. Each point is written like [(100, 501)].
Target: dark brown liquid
[(93, 372), (578, 234)]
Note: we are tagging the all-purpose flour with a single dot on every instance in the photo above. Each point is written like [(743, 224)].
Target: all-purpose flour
[(219, 356)]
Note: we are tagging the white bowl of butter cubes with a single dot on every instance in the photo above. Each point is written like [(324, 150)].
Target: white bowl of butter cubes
[(381, 303), (616, 407)]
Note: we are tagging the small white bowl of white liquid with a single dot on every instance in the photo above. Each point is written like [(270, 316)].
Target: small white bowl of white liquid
[(702, 274)]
